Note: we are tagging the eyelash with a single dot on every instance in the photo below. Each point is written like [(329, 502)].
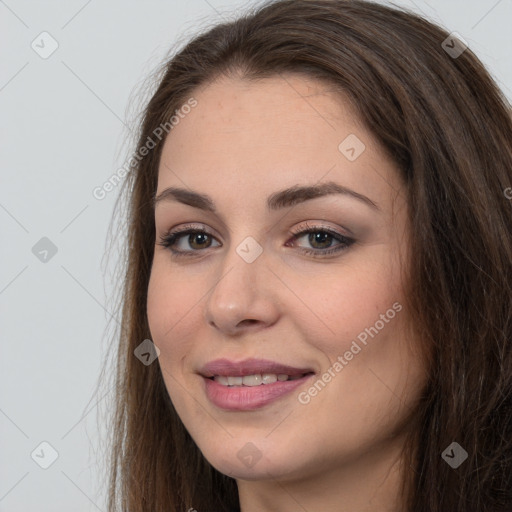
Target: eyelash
[(169, 240)]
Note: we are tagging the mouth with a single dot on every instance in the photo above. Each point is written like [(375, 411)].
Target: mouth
[(257, 379), (250, 384), (250, 368)]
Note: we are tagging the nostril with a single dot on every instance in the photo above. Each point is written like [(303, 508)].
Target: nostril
[(247, 322)]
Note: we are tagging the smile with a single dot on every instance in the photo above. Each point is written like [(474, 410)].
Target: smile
[(250, 394), (254, 380)]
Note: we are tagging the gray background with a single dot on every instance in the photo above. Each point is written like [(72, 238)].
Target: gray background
[(64, 122)]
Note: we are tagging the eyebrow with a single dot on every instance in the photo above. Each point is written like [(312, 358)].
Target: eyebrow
[(276, 201)]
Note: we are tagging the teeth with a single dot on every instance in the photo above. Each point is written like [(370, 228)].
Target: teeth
[(221, 379), (269, 378), (254, 380)]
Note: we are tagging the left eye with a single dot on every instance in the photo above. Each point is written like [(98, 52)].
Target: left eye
[(321, 240), (200, 239)]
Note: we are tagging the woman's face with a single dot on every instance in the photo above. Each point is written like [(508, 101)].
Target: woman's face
[(270, 300)]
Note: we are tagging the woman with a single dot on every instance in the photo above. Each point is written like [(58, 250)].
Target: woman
[(319, 253)]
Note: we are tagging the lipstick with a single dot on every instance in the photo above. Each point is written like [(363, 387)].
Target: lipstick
[(251, 383)]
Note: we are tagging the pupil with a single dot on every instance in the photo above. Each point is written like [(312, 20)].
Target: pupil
[(196, 236), (317, 237)]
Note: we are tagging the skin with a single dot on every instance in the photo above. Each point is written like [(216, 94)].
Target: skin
[(244, 141)]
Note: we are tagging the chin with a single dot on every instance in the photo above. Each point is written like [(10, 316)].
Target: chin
[(243, 461)]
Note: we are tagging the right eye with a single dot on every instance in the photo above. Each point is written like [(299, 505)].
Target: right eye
[(196, 237)]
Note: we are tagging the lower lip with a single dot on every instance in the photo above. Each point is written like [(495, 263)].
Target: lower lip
[(246, 398)]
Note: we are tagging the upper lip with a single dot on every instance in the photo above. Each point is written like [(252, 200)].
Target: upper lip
[(248, 367)]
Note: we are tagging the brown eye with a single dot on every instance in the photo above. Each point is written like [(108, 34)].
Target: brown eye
[(200, 238), (321, 240), (197, 240), (320, 237)]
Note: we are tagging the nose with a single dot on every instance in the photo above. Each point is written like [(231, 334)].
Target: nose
[(243, 296)]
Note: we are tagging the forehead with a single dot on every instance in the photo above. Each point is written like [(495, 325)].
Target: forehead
[(230, 93), (265, 105), (274, 132), (286, 110)]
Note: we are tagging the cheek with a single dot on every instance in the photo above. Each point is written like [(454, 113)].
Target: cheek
[(339, 305), (170, 306)]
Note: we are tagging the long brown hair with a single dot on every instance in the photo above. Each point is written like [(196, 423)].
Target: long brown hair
[(448, 128)]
